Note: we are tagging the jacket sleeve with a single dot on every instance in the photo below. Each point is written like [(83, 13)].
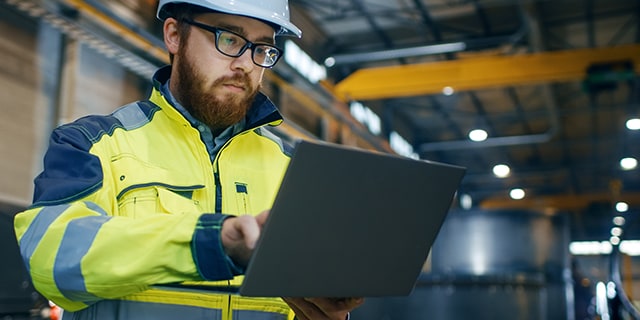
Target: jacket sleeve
[(78, 250)]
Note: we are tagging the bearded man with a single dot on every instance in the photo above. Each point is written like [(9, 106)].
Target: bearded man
[(173, 189)]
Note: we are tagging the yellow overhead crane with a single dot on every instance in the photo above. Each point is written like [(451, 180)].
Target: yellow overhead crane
[(490, 72), (481, 72)]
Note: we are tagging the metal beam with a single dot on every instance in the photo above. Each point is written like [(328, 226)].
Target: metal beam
[(479, 73), (427, 20)]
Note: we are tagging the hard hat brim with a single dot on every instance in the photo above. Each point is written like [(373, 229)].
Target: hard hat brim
[(280, 20)]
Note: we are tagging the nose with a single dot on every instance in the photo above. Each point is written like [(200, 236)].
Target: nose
[(244, 62)]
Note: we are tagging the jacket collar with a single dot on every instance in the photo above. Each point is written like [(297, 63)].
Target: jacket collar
[(262, 111)]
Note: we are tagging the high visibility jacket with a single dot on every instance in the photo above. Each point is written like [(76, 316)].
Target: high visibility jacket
[(131, 203)]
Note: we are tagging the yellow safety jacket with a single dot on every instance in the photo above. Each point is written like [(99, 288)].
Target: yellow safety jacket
[(131, 203)]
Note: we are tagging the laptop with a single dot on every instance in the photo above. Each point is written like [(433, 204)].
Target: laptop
[(350, 223)]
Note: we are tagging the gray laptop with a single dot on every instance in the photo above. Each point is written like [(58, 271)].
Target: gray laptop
[(350, 223)]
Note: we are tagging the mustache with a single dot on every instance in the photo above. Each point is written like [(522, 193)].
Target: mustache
[(237, 78)]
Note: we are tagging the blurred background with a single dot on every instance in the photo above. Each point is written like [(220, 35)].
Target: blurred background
[(538, 99)]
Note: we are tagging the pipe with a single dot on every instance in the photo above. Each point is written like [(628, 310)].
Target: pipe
[(491, 142), (394, 53), (351, 58)]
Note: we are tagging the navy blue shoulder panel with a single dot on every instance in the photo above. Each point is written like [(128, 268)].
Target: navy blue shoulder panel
[(70, 171)]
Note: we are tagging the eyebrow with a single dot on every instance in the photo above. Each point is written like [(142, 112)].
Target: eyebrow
[(241, 31)]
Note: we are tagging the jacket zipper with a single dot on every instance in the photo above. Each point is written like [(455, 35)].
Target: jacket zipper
[(216, 177), (228, 315)]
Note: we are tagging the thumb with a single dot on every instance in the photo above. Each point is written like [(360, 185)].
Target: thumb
[(262, 218)]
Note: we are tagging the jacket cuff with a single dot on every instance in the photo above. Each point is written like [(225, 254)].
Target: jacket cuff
[(206, 247)]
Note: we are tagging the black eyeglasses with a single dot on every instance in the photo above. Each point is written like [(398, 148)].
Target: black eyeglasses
[(234, 45)]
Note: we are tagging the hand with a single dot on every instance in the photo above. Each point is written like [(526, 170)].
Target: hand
[(323, 308), (240, 234)]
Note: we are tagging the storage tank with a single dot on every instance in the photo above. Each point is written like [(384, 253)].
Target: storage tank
[(494, 265)]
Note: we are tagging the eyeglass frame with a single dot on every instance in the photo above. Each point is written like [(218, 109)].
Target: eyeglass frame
[(248, 44)]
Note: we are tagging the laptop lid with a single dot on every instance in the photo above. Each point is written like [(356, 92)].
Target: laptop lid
[(350, 223)]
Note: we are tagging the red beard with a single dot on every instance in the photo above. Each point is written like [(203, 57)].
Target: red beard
[(216, 111)]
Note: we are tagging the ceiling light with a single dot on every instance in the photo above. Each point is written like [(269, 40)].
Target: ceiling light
[(447, 91), (330, 62), (614, 240), (501, 170), (478, 135), (630, 247), (622, 206), (589, 247), (466, 202), (619, 221), (602, 305), (633, 124), (611, 290), (628, 163), (517, 194), (616, 231)]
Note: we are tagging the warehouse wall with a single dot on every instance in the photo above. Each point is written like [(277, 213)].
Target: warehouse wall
[(45, 80), (19, 94), (88, 83)]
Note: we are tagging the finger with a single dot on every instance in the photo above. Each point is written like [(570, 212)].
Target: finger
[(295, 305), (262, 218), (332, 305), (248, 227), (327, 308), (353, 302)]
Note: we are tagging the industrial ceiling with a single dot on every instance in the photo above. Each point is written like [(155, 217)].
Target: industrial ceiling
[(551, 82)]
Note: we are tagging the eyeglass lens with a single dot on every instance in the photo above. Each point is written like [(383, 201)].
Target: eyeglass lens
[(234, 45)]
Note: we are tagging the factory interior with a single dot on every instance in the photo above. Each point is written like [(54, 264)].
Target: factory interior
[(538, 99)]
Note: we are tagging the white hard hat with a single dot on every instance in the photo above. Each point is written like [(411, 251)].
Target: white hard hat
[(275, 12)]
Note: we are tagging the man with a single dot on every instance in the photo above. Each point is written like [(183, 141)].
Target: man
[(173, 189)]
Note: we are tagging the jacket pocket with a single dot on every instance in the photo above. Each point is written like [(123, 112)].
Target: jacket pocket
[(243, 202), (144, 189)]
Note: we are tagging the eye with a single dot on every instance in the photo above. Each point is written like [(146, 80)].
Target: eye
[(229, 40), (260, 50)]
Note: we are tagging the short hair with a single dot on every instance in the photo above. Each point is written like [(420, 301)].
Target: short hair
[(181, 12)]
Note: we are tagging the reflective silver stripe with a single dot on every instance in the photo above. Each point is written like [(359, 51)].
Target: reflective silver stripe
[(93, 206), (31, 238), (271, 136), (134, 310), (131, 116), (257, 315), (67, 270)]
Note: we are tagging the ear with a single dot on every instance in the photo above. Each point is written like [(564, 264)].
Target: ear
[(171, 35)]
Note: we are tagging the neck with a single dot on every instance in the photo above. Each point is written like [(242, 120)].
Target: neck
[(217, 131)]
